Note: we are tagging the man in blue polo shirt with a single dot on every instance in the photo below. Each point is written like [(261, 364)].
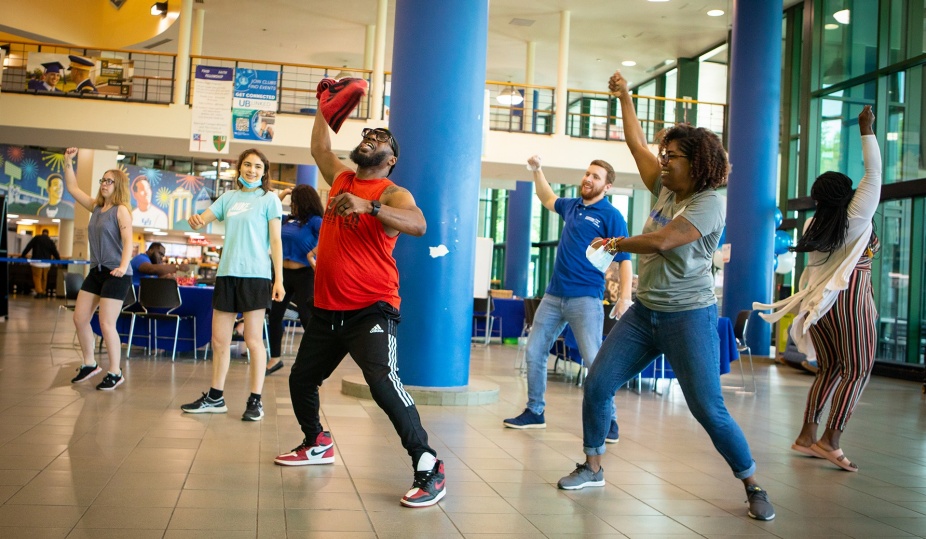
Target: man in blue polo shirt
[(576, 290), (151, 264)]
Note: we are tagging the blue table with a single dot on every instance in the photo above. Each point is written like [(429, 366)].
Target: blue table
[(511, 312), (728, 351), (197, 300)]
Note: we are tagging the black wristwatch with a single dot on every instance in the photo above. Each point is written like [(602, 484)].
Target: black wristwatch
[(376, 206)]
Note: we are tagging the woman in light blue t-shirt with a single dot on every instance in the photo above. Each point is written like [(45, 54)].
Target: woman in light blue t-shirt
[(243, 284)]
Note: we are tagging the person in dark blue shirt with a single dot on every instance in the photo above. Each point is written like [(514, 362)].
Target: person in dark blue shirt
[(576, 289), (300, 238), (150, 264)]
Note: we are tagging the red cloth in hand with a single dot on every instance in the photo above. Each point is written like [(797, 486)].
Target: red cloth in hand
[(338, 98)]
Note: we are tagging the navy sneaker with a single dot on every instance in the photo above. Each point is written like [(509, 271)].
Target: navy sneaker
[(428, 487), (613, 435), (527, 420), (85, 372), (111, 382)]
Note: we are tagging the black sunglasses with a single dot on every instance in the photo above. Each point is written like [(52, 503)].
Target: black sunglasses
[(378, 134)]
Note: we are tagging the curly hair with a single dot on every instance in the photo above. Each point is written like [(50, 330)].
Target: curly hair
[(306, 204), (832, 191), (708, 159)]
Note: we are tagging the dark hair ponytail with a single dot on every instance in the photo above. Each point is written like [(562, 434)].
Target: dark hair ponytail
[(832, 192)]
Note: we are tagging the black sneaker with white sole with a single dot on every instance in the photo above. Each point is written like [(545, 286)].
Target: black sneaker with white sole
[(85, 372), (205, 405), (111, 382), (254, 410)]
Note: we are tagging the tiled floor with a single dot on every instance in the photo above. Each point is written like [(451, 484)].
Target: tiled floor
[(75, 462)]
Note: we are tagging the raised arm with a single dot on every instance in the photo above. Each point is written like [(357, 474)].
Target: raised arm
[(868, 194), (544, 191), (647, 163), (70, 181), (327, 161)]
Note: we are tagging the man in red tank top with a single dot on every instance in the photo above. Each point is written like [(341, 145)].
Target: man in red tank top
[(357, 304)]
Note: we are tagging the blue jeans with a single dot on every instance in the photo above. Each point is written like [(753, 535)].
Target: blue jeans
[(690, 343), (585, 316)]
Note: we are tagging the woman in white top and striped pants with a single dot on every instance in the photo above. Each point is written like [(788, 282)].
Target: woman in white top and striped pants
[(835, 306)]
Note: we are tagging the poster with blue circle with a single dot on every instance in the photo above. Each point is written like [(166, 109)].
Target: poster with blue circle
[(255, 104)]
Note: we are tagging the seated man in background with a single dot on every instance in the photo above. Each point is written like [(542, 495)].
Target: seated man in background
[(149, 264)]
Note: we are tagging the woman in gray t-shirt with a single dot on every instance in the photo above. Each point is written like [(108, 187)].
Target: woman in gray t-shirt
[(676, 313), (110, 276)]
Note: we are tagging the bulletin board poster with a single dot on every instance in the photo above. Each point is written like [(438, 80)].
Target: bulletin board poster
[(255, 105), (165, 200), (33, 182), (92, 75), (211, 114)]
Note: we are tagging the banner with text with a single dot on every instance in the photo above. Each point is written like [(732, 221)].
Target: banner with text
[(212, 96), (254, 109)]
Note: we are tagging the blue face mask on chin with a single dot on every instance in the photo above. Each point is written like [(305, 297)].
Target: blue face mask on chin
[(249, 185)]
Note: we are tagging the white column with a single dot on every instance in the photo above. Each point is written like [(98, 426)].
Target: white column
[(377, 88), (529, 92), (182, 67), (196, 40), (562, 74), (369, 44)]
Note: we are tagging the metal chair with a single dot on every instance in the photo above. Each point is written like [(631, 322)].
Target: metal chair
[(72, 284), (290, 323), (482, 311), (162, 294), (530, 309), (739, 332)]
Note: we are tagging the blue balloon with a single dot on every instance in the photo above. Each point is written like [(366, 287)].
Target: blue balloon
[(778, 218), (775, 262), (782, 242)]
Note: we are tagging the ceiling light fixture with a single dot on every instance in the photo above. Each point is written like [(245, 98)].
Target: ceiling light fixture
[(159, 9), (715, 13), (842, 16), (628, 63), (509, 96)]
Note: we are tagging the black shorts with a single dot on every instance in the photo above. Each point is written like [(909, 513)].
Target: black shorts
[(100, 282), (241, 294)]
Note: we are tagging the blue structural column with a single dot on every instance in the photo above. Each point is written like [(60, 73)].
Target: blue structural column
[(755, 102), (438, 86), (518, 240), (307, 175)]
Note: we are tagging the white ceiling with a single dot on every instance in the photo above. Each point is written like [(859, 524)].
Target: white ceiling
[(603, 33)]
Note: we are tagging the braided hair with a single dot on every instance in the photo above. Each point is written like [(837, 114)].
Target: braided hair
[(832, 191), (708, 160)]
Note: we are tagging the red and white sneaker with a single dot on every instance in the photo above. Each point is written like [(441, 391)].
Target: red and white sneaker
[(428, 488), (319, 452)]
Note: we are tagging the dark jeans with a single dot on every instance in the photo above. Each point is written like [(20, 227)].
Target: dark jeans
[(369, 336), (299, 286)]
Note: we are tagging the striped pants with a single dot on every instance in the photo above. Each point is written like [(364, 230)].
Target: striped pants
[(844, 339)]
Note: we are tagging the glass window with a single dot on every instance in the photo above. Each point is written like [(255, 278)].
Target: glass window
[(840, 146), (892, 225), (849, 42), (897, 33)]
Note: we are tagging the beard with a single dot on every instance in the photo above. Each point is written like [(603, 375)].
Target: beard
[(592, 192), (372, 160)]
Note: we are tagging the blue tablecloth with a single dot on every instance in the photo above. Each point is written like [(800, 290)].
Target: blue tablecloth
[(728, 351), (197, 300), (511, 312)]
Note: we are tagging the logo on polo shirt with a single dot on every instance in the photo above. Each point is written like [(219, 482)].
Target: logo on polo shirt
[(596, 222)]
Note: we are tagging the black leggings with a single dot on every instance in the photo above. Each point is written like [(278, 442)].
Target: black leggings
[(300, 287), (368, 335)]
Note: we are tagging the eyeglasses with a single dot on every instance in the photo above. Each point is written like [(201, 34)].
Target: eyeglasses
[(107, 181), (378, 135), (666, 157)]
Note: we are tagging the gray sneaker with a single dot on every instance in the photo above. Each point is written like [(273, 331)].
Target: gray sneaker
[(582, 477), (759, 506)]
